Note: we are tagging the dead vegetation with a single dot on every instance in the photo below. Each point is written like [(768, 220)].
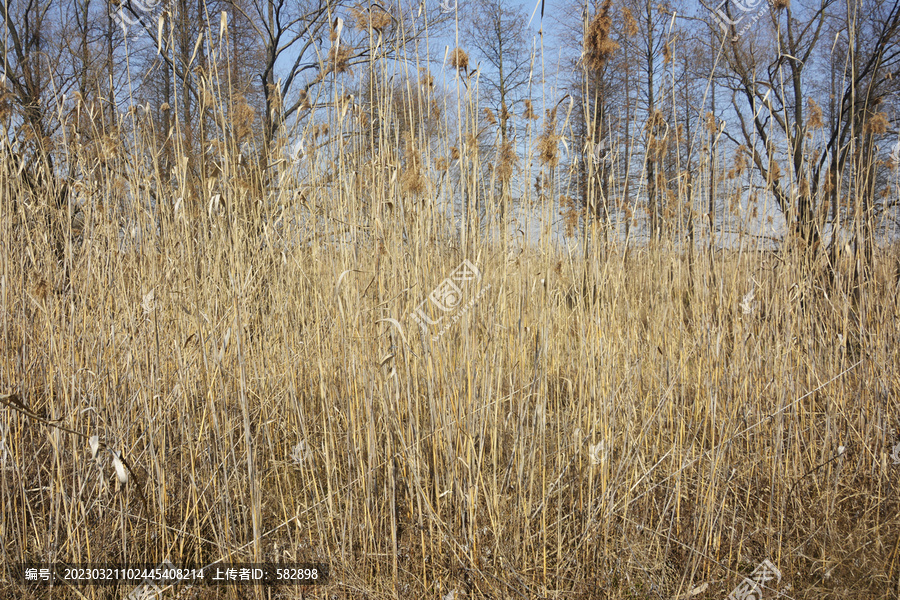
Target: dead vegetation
[(640, 421)]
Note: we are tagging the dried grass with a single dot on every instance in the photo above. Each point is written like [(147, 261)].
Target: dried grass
[(634, 421)]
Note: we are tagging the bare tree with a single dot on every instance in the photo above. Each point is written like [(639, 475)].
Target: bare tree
[(771, 78), (497, 31), (596, 94), (30, 60), (649, 45)]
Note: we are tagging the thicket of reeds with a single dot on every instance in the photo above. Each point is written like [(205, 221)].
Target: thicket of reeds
[(634, 420)]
